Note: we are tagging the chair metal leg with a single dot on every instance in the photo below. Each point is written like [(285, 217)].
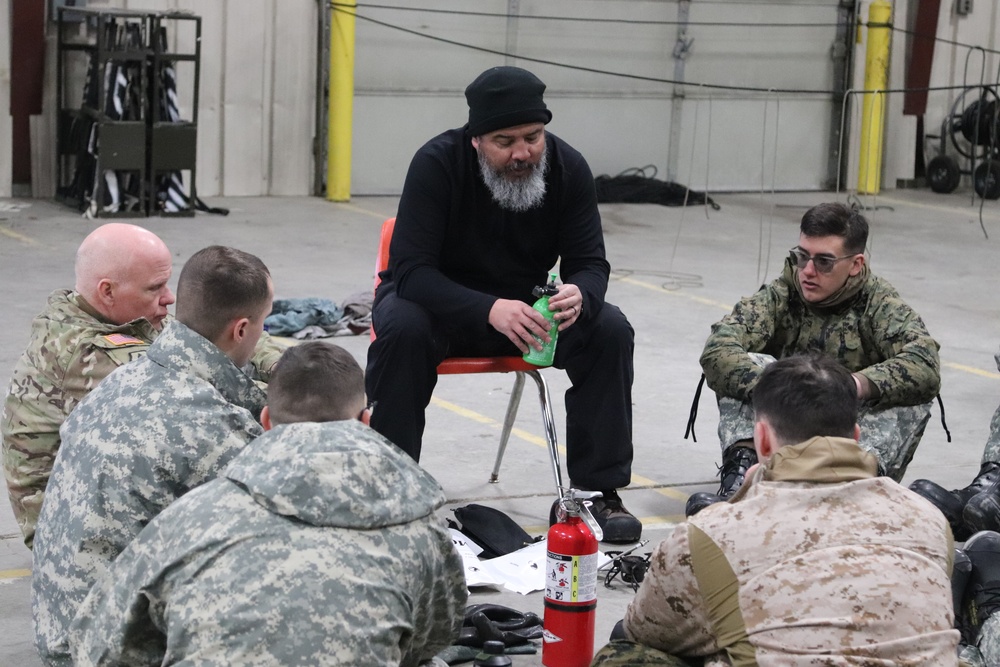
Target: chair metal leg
[(549, 422), (508, 422)]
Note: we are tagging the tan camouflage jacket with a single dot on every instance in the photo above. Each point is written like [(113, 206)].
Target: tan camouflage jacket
[(816, 562), (71, 349), (875, 333), (319, 545)]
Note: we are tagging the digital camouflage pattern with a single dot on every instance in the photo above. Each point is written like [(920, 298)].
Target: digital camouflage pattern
[(151, 431), (989, 641), (969, 656), (891, 434), (71, 349), (621, 653), (809, 563), (317, 546), (991, 453), (874, 333)]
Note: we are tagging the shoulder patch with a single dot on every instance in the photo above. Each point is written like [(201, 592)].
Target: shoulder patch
[(122, 339)]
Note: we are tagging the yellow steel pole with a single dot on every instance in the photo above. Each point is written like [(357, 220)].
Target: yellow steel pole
[(341, 103), (873, 106)]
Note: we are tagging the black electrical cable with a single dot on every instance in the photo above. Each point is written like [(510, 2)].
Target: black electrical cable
[(584, 19), (711, 24), (635, 77)]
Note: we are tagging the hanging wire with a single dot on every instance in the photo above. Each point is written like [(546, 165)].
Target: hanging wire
[(774, 178), (687, 188), (992, 166), (652, 22), (760, 221), (586, 19), (350, 9), (979, 110), (708, 154)]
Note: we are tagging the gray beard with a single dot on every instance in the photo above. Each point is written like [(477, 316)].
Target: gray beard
[(515, 194)]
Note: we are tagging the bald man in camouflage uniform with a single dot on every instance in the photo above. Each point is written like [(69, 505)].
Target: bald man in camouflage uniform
[(148, 433), (317, 546), (818, 560), (825, 300), (117, 307)]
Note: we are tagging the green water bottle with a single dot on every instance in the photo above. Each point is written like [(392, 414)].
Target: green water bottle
[(545, 356)]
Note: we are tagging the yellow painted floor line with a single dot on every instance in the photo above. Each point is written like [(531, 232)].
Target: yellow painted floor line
[(681, 295), (359, 209), (14, 574), (18, 236), (972, 369), (709, 302), (954, 210), (638, 480)]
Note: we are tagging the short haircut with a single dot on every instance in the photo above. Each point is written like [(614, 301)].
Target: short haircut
[(315, 382), (805, 396), (833, 219), (218, 285)]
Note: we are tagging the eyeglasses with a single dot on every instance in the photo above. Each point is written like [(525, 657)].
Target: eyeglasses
[(823, 263)]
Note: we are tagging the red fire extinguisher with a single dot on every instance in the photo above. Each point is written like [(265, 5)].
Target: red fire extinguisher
[(571, 583)]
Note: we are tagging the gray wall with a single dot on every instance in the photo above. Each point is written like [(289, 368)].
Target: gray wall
[(259, 67), (408, 88)]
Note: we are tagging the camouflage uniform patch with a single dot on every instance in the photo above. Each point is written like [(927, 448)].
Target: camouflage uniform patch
[(147, 434), (891, 434), (318, 546)]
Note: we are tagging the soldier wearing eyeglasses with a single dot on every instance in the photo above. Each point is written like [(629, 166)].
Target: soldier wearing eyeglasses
[(825, 300)]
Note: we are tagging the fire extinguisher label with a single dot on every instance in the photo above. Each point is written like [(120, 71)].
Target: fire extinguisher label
[(571, 578)]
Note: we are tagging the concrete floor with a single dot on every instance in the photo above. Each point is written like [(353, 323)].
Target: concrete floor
[(675, 272)]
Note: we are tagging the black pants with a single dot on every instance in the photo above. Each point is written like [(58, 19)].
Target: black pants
[(596, 353)]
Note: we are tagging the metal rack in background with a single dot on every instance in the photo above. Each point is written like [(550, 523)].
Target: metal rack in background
[(122, 152)]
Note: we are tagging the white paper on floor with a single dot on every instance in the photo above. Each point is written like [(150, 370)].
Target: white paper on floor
[(522, 571)]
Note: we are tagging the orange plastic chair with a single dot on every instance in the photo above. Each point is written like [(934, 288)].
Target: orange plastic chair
[(516, 365)]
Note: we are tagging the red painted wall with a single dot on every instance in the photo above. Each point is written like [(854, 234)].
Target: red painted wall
[(27, 67)]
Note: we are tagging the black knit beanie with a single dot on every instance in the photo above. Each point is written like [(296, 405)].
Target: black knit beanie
[(505, 97)]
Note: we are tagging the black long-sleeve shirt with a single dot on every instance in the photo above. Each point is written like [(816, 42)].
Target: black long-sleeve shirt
[(454, 251)]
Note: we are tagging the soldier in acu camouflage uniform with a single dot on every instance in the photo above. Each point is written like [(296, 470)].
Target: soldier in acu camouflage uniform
[(150, 432), (118, 306), (818, 560), (826, 300), (317, 546)]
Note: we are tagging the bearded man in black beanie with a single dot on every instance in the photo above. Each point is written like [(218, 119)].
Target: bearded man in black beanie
[(486, 211)]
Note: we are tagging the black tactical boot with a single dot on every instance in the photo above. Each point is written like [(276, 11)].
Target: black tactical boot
[(982, 594), (735, 462), (953, 503), (618, 524), (982, 511)]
